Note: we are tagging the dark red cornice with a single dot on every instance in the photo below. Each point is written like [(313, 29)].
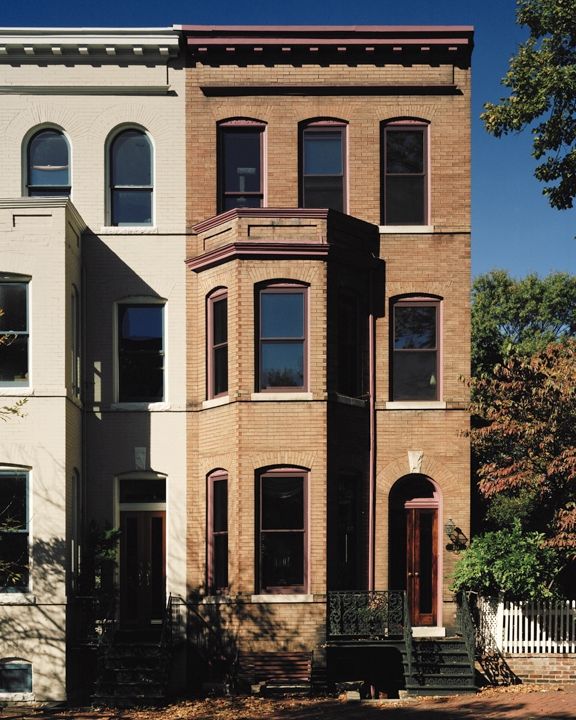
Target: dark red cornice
[(247, 250), (454, 40)]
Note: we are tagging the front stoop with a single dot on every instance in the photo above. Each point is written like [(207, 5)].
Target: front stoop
[(440, 666)]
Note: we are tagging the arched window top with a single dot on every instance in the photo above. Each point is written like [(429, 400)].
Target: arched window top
[(131, 178), (239, 122), (48, 164), (416, 297), (407, 120), (323, 122)]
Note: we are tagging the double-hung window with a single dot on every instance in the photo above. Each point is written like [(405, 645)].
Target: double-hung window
[(282, 531), (282, 338), (130, 171), (13, 333), (240, 166), (14, 551), (140, 352), (217, 332), (48, 164), (323, 152), (405, 174), (217, 531), (415, 350)]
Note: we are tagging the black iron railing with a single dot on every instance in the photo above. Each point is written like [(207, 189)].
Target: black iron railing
[(367, 615), (407, 636), (466, 626)]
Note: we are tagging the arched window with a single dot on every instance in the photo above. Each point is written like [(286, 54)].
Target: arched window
[(240, 164), (217, 343), (48, 164), (282, 530), (405, 172), (217, 559), (130, 172), (282, 331), (416, 333)]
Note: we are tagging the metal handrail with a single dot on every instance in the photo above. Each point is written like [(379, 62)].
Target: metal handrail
[(466, 626), (364, 614), (407, 631)]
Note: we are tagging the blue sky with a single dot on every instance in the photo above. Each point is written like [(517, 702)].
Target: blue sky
[(513, 226)]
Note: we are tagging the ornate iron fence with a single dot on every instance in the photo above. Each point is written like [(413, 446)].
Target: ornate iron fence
[(358, 614)]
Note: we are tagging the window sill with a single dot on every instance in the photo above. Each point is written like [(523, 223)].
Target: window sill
[(416, 405), (17, 697), (152, 406), (219, 600), (17, 598), (282, 396), (216, 402), (283, 598), (405, 229), (15, 390), (128, 230)]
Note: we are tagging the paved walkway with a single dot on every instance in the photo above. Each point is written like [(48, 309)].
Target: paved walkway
[(517, 703)]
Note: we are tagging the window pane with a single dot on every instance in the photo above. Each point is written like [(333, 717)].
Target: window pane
[(282, 559), (131, 159), (241, 155), (132, 207), (282, 315), (13, 303), (405, 200), (323, 152), (220, 569), (282, 503), (414, 327), (220, 320), (323, 192), (141, 358), (135, 490), (15, 677), (48, 159), (220, 505), (405, 151), (282, 364), (220, 370), (242, 201), (14, 359), (415, 375), (13, 514)]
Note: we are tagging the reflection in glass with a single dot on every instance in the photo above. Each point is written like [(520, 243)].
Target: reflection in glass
[(323, 169), (240, 167), (281, 339), (48, 165), (415, 352), (14, 334), (405, 177), (14, 568), (140, 353), (131, 179)]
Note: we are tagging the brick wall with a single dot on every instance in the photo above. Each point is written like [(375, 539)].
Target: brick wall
[(545, 668)]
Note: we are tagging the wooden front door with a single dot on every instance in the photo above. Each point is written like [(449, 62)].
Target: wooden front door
[(422, 564), (142, 566)]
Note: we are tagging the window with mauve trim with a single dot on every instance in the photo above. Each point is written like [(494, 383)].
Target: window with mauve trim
[(405, 175), (217, 580), (323, 167)]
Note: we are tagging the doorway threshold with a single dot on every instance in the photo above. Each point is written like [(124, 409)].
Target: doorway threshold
[(428, 632)]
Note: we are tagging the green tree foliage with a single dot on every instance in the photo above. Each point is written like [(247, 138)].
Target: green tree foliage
[(512, 563), (525, 442), (542, 81), (519, 316)]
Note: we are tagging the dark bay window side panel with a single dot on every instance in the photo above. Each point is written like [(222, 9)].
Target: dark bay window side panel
[(415, 351), (140, 353), (405, 175), (282, 534)]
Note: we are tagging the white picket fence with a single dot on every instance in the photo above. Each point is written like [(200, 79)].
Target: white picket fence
[(530, 626)]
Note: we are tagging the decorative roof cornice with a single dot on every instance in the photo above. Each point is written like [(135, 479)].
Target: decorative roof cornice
[(139, 45), (424, 42)]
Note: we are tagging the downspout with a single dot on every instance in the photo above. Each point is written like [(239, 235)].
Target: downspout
[(372, 432)]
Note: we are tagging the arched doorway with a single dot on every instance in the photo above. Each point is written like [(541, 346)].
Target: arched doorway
[(414, 506)]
